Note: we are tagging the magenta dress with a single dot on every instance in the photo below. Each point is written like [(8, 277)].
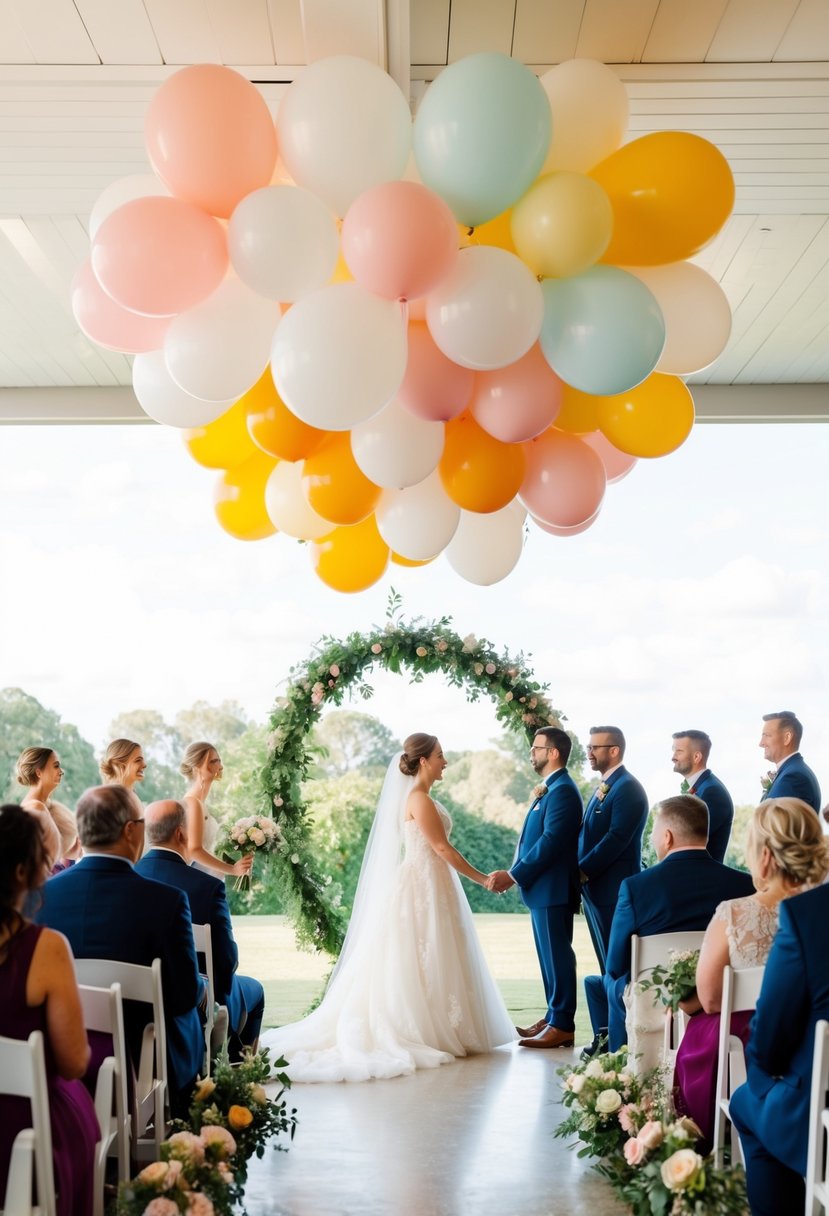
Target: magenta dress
[(750, 928), (72, 1111)]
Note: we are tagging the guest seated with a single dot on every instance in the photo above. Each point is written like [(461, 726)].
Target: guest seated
[(165, 827), (107, 910), (37, 979), (786, 853)]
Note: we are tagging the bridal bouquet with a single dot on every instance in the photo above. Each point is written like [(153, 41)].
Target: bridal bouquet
[(676, 982), (250, 834), (605, 1103)]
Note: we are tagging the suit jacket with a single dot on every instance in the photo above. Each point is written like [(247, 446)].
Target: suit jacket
[(610, 844), (795, 780), (547, 865), (794, 997), (208, 906), (106, 910), (720, 811)]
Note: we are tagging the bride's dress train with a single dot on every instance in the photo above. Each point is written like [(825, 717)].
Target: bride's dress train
[(412, 988)]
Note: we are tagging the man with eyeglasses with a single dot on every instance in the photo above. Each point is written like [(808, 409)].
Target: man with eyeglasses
[(610, 850)]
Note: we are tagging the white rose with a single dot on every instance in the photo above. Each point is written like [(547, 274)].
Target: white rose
[(594, 1069), (681, 1168), (577, 1083), (608, 1101), (257, 836)]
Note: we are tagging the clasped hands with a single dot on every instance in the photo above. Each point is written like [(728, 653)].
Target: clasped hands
[(499, 881)]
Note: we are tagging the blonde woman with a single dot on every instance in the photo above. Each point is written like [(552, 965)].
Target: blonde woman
[(123, 763), (787, 854), (201, 765), (39, 770)]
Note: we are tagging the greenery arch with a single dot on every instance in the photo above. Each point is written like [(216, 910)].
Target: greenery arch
[(322, 679)]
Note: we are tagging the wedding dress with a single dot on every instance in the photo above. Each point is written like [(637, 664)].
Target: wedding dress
[(411, 988)]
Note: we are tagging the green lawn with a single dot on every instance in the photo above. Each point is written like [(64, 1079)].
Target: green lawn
[(293, 979)]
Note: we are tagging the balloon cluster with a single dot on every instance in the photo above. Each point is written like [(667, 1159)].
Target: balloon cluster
[(391, 356)]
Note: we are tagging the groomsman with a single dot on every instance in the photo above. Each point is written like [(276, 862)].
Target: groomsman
[(780, 741), (546, 870), (690, 759)]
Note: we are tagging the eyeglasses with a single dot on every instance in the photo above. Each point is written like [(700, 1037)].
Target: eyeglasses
[(135, 821), (540, 749), (594, 747)]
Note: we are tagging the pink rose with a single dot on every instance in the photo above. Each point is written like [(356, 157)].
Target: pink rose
[(491, 669), (161, 1207), (376, 648), (199, 1204), (681, 1169), (625, 1120), (316, 697), (421, 652), (634, 1151), (334, 670), (651, 1135)]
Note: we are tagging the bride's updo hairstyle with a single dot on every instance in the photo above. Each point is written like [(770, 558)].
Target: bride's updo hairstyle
[(29, 762), (114, 762), (416, 748), (792, 832), (193, 758)]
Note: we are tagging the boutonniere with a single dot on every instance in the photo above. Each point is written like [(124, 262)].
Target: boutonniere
[(684, 787), (603, 789), (539, 791), (767, 781)]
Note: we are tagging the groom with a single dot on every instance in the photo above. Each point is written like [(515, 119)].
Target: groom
[(546, 870)]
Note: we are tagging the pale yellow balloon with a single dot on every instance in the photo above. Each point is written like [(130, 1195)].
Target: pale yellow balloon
[(590, 111), (562, 225)]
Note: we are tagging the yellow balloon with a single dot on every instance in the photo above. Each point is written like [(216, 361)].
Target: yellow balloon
[(224, 443), (239, 499), (579, 413), (273, 427), (341, 272), (670, 191), (562, 225), (652, 419), (350, 558), (409, 561)]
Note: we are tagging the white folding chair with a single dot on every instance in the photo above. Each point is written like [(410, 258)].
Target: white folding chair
[(740, 990), (645, 954), (817, 1176), (23, 1075), (103, 1011), (204, 945), (151, 1090)]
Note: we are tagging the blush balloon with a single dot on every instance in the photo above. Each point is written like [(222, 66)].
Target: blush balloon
[(565, 480), (519, 401), (433, 388)]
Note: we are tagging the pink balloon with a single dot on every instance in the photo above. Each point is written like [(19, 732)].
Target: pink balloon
[(574, 531), (519, 401), (210, 137), (565, 481), (107, 323), (433, 387), (159, 256), (616, 464), (399, 240)]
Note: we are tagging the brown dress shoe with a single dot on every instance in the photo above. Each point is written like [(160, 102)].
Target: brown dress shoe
[(531, 1031), (550, 1036)]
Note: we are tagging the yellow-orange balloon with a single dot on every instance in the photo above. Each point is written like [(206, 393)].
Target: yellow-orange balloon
[(341, 272), (239, 499), (350, 558), (273, 427), (562, 225), (224, 443), (479, 473), (496, 232), (408, 561), (334, 485), (652, 419), (579, 413), (670, 191)]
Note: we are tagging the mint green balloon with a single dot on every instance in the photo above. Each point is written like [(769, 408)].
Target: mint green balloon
[(603, 331), (481, 135)]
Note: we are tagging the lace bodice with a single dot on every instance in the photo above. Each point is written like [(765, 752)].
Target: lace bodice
[(417, 848), (750, 928)]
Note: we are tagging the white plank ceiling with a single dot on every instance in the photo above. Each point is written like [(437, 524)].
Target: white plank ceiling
[(750, 75)]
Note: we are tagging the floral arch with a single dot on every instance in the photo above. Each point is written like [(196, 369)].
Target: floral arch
[(336, 665)]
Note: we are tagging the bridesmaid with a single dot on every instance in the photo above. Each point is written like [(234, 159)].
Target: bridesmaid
[(39, 770), (123, 763), (201, 765)]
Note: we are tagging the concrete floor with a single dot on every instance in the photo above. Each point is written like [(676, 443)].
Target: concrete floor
[(471, 1136)]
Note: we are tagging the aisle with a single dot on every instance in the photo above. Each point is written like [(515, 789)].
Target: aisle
[(476, 1135)]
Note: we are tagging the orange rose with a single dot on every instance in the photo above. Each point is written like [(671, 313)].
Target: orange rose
[(239, 1117)]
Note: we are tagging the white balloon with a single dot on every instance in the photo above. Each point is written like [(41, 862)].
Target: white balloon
[(283, 242), (162, 399), (418, 522), (696, 311), (287, 507), (339, 356), (590, 111), (395, 449), (488, 310), (124, 190), (220, 348), (486, 548), (343, 125)]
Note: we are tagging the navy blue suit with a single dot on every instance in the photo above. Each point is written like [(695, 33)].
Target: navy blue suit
[(795, 780), (610, 850), (106, 910), (244, 997), (771, 1111), (546, 870), (720, 811), (680, 893)]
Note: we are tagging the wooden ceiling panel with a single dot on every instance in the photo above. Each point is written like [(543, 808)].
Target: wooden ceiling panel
[(547, 33), (615, 33), (430, 31), (751, 30), (55, 32), (480, 25), (122, 32), (683, 32)]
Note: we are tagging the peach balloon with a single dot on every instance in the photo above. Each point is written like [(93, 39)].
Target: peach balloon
[(210, 137), (617, 464), (653, 419), (224, 443), (519, 401), (107, 323), (350, 558), (273, 427), (333, 484), (239, 499), (433, 387), (553, 530), (479, 473), (159, 256), (565, 480)]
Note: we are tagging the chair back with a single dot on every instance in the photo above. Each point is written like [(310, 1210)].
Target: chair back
[(645, 954), (103, 1012), (817, 1182), (649, 952), (740, 990), (23, 1075), (204, 945)]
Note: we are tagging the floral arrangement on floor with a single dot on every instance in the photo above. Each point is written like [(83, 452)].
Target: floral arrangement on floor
[(339, 664), (250, 834), (675, 983), (605, 1100)]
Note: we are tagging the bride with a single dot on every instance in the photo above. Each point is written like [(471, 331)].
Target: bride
[(411, 988)]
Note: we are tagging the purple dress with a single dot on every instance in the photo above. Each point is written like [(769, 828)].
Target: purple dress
[(71, 1109)]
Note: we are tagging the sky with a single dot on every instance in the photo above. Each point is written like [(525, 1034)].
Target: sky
[(699, 599)]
